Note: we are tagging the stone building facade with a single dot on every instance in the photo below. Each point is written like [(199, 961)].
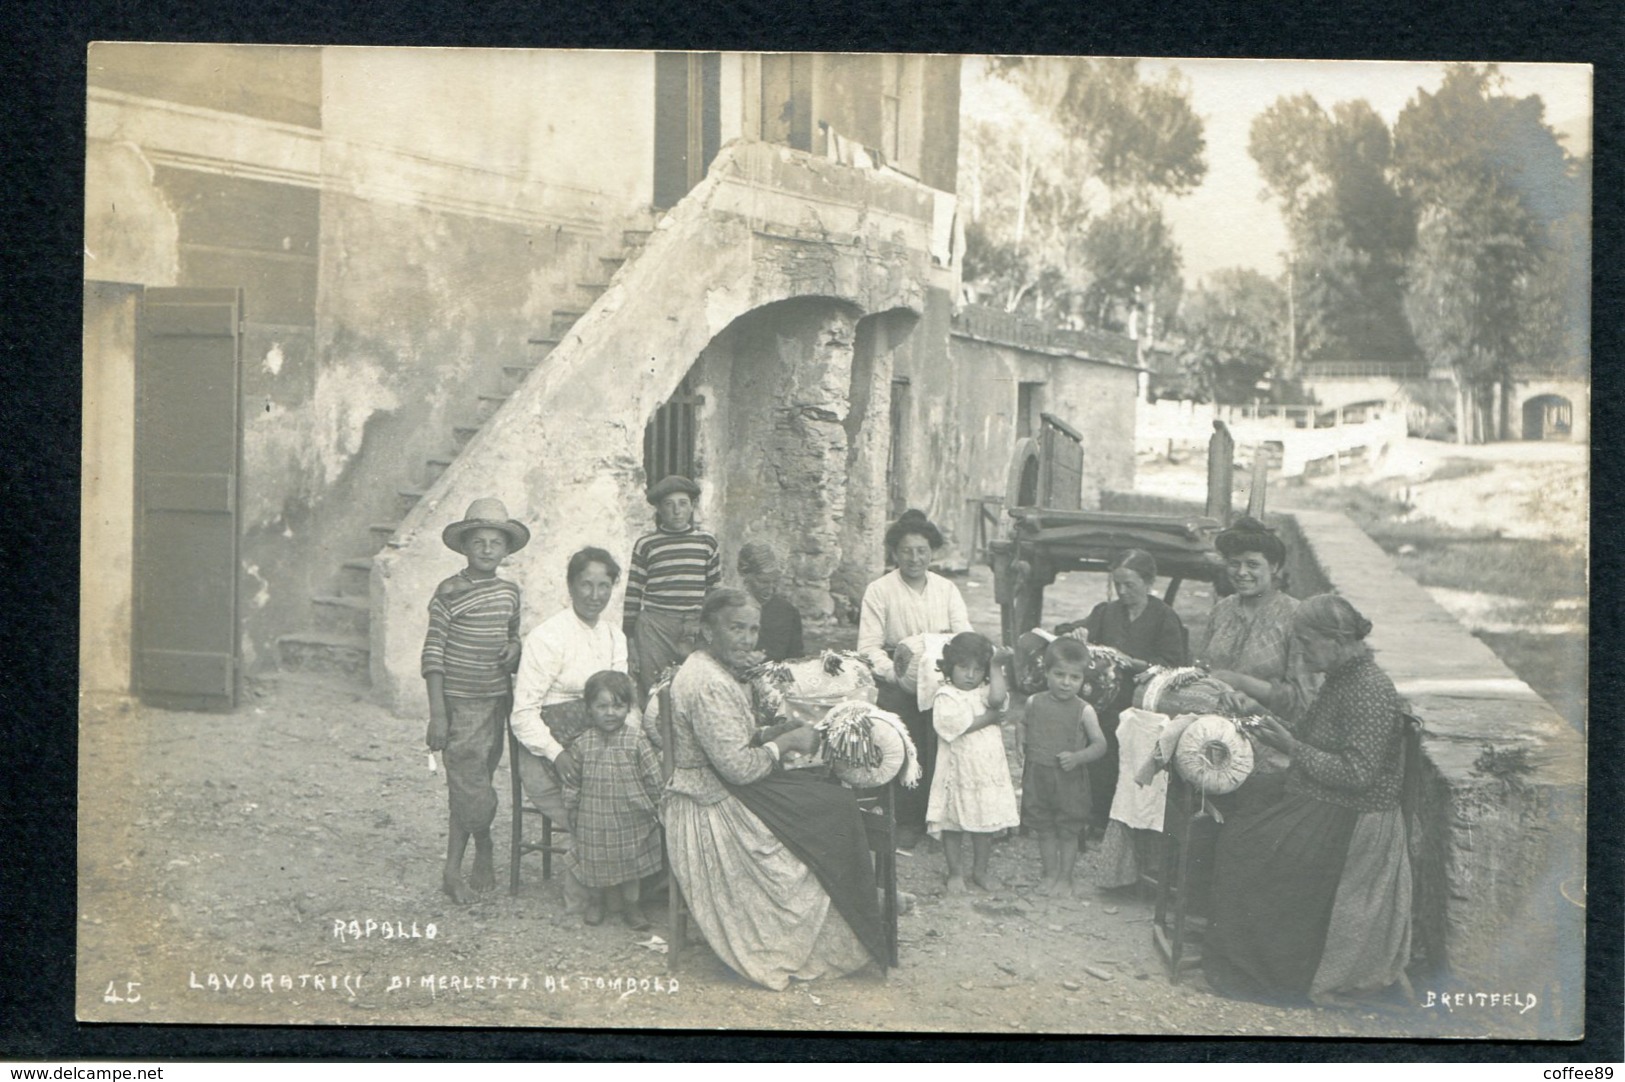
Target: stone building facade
[(467, 273)]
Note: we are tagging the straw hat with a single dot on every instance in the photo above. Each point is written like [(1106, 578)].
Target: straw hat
[(488, 513)]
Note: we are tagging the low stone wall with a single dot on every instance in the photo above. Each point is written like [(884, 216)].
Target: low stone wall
[(1501, 821)]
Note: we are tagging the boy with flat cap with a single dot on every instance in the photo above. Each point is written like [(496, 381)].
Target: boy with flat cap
[(471, 649), (672, 570)]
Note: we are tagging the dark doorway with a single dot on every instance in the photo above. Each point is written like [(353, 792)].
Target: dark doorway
[(187, 446), (1548, 417), (668, 438), (688, 121)]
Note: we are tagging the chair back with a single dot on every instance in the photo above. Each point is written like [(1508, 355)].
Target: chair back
[(668, 749)]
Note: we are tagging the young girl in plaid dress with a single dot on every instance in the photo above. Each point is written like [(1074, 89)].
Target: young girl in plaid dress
[(613, 810)]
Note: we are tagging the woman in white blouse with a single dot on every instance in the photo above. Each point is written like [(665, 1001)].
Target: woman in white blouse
[(909, 601), (558, 657)]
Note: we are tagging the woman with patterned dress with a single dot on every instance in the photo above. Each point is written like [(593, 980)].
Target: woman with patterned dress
[(1312, 896), (1247, 643), (774, 865)]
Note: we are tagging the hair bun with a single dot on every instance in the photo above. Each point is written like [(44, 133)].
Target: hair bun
[(1362, 627), (1249, 524), (912, 515)]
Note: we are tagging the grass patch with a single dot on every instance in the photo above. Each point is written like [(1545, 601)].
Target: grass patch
[(1452, 469), (1528, 569), (1554, 665)]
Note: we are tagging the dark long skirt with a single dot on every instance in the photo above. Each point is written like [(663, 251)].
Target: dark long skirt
[(911, 803), (821, 824), (1275, 879)]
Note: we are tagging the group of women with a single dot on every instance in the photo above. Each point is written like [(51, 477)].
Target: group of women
[(1310, 890)]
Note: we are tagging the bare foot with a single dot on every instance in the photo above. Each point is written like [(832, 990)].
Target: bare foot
[(483, 876), (1046, 888), (956, 884), (989, 882), (452, 883)]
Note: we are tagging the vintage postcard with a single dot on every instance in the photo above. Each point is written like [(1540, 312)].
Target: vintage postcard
[(864, 542)]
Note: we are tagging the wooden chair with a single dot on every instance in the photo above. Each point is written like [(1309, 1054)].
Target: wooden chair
[(879, 807), (518, 847), (1169, 920)]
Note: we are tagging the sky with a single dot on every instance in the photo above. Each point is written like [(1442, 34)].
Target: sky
[(1224, 223)]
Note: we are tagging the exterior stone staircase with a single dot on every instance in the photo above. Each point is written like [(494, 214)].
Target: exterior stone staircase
[(336, 648)]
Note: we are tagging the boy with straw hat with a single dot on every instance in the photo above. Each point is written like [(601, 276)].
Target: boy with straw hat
[(471, 648)]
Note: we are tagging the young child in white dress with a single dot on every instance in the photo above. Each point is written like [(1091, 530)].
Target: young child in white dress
[(971, 792)]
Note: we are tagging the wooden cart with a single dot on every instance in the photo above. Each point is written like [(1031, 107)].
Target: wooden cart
[(1048, 532)]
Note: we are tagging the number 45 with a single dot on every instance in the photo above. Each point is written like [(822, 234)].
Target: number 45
[(130, 994)]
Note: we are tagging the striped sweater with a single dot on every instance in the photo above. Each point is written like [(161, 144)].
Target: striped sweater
[(470, 621), (672, 571)]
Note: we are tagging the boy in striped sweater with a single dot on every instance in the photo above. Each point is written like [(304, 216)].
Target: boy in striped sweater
[(470, 651), (672, 570)]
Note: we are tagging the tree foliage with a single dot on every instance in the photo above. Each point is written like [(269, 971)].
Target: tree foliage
[(1235, 330), (1063, 164), (1348, 225), (1501, 256)]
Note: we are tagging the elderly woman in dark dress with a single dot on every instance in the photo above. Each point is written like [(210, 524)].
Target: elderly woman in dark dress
[(1146, 629), (775, 866), (1312, 893)]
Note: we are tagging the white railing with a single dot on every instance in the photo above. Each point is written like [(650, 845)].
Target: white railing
[(1298, 434)]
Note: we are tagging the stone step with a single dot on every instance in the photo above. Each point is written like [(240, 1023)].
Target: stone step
[(514, 374), (593, 289), (346, 614), (355, 577), (612, 263), (489, 404), (381, 533), (269, 685), (326, 652), (563, 320), (433, 468), (462, 434), (537, 349), (407, 498), (634, 238)]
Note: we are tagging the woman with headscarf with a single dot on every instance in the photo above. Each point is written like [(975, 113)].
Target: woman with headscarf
[(1312, 894), (908, 601), (775, 866)]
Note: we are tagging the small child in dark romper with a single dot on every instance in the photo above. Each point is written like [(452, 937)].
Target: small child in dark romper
[(1061, 734)]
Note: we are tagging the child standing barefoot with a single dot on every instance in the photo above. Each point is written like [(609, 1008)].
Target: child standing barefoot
[(971, 792), (612, 812), (471, 648), (1061, 734)]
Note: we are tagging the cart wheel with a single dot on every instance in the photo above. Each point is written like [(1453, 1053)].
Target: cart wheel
[(1021, 482)]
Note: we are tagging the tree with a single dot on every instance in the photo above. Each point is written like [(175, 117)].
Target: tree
[(1131, 253), (1349, 227), (1500, 204), (1235, 331), (1056, 151)]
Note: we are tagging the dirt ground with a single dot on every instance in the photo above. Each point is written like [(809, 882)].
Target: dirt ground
[(219, 850)]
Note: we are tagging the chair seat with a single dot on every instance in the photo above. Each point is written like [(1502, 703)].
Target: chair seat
[(518, 846)]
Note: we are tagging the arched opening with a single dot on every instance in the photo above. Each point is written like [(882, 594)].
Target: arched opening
[(1548, 417)]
